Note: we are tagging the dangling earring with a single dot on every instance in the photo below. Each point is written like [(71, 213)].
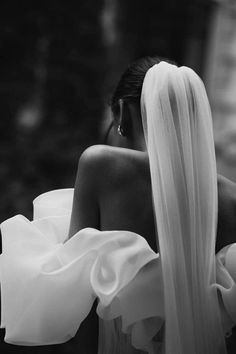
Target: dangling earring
[(120, 130)]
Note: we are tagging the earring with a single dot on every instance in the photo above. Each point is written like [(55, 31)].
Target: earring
[(120, 130)]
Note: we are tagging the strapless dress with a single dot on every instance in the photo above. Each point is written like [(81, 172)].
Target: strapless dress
[(49, 283)]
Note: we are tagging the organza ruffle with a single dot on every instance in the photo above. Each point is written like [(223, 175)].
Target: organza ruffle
[(48, 283)]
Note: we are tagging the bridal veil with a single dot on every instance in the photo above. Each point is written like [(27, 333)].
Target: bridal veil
[(178, 131)]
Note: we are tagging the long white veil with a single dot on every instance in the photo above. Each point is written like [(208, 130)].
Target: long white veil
[(178, 131)]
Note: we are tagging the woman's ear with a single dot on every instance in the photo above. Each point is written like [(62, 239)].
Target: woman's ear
[(124, 119)]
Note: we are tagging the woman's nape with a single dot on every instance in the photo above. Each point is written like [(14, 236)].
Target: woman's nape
[(127, 129)]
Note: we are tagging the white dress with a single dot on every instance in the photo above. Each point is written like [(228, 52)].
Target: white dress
[(49, 283)]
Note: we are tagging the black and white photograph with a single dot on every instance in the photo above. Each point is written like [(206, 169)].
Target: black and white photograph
[(118, 177)]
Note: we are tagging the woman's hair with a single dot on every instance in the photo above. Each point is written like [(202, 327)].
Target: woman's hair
[(131, 81)]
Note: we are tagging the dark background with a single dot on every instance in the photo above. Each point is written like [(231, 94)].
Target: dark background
[(59, 63)]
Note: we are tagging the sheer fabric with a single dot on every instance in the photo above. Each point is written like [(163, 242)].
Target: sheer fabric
[(178, 131), (48, 284)]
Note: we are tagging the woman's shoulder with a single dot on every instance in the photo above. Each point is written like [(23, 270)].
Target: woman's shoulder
[(108, 152), (112, 161), (226, 189), (227, 199), (226, 229)]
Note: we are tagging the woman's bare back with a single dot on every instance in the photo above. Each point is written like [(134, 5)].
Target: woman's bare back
[(120, 178), (126, 198)]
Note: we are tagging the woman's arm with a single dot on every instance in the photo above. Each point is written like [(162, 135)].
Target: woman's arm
[(85, 213), (85, 210)]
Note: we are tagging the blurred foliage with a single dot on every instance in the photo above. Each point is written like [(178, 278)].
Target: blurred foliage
[(220, 77), (52, 65), (57, 71)]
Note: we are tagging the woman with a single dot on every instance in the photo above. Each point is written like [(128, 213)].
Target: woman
[(114, 191), (126, 131), (123, 184)]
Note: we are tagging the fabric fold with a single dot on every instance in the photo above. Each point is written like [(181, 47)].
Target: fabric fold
[(49, 283)]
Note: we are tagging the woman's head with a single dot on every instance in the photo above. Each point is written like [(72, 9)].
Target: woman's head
[(129, 87), (125, 129)]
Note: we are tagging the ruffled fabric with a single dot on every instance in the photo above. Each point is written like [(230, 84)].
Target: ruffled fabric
[(49, 283)]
